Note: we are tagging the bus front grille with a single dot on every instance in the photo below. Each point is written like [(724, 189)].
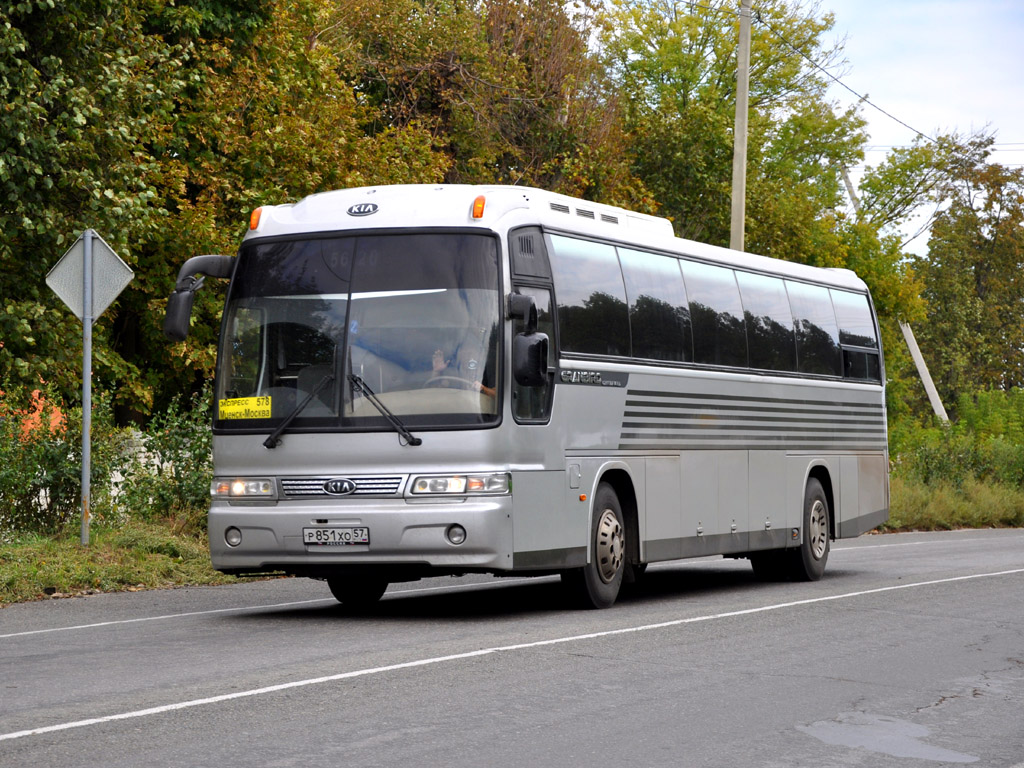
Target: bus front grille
[(309, 487)]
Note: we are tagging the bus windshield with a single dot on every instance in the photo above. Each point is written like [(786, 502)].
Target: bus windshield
[(412, 318)]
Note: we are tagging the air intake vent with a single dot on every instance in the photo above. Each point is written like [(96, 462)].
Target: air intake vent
[(585, 214), (609, 219), (559, 207), (526, 245)]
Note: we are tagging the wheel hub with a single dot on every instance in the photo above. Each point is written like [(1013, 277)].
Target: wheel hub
[(609, 546), (817, 531)]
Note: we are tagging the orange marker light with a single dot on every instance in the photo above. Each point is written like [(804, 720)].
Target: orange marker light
[(254, 218), (478, 207), (583, 497)]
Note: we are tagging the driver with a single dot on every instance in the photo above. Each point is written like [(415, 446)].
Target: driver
[(446, 375)]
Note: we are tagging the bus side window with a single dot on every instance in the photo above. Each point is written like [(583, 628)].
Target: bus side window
[(857, 336), (716, 315), (533, 404), (817, 334)]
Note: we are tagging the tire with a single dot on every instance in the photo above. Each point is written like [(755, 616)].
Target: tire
[(355, 592), (807, 562), (597, 584)]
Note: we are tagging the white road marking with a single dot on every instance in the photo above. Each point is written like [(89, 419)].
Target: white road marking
[(242, 609), (483, 652)]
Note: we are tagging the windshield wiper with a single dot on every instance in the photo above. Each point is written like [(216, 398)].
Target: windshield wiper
[(393, 420), (274, 439)]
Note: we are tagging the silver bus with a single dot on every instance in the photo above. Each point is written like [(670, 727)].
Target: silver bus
[(424, 380)]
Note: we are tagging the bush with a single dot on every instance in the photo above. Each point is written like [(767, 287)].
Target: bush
[(943, 506), (985, 444), (168, 475)]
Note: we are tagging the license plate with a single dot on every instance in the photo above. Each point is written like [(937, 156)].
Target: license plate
[(335, 537)]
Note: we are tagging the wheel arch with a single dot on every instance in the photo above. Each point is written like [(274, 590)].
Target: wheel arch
[(621, 481)]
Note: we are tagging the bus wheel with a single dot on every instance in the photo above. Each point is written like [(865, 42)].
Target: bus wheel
[(597, 584), (807, 562), (355, 592)]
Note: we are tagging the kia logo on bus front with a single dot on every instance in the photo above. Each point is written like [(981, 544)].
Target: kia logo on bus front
[(339, 486), (362, 209)]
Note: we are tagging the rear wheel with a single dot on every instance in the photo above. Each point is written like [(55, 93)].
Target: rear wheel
[(356, 592), (807, 562), (597, 584)]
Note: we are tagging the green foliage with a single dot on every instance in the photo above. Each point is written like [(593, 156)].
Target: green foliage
[(985, 444), (675, 64)]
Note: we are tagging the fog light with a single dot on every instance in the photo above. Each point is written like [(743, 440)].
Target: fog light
[(233, 536), (456, 534)]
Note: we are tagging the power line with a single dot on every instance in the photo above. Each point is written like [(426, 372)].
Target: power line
[(860, 97)]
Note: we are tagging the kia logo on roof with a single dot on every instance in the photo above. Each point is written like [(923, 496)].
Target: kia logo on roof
[(362, 209), (339, 486)]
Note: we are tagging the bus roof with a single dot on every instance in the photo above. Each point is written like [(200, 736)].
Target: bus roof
[(419, 206)]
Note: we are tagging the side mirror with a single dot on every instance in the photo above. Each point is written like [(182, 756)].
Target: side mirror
[(530, 359), (179, 311), (179, 304), (521, 307)]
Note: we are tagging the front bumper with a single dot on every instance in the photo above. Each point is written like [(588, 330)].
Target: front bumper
[(404, 534)]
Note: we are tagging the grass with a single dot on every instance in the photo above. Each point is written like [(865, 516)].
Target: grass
[(944, 505), (135, 555)]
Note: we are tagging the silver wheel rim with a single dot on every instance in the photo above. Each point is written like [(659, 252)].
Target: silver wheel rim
[(609, 546), (818, 529)]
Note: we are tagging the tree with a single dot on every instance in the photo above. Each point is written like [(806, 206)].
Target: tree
[(86, 92), (508, 88), (675, 63), (974, 337)]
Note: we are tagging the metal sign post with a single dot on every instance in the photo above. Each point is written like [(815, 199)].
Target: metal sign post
[(87, 321), (72, 279)]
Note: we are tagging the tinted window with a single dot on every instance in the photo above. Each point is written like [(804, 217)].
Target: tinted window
[(770, 338), (817, 334), (592, 313), (854, 315), (305, 318), (716, 314), (659, 314)]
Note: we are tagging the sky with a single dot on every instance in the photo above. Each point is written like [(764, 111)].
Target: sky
[(940, 67)]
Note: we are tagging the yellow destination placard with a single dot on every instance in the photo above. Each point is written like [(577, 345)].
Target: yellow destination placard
[(244, 408)]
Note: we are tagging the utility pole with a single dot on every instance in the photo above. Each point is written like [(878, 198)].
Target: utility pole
[(908, 333), (739, 153)]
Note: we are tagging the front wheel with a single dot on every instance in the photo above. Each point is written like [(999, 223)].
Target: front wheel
[(597, 584), (355, 592), (807, 562)]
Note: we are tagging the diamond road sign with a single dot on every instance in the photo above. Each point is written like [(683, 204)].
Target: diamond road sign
[(110, 276)]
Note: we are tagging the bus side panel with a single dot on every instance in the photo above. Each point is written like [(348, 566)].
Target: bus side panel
[(666, 514), (546, 531), (769, 515), (865, 503)]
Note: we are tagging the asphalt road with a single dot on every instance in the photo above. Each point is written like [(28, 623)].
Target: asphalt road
[(910, 652)]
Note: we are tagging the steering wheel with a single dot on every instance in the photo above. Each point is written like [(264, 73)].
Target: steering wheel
[(444, 381)]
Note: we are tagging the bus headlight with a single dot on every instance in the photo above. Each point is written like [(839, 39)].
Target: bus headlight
[(243, 488), (461, 484)]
